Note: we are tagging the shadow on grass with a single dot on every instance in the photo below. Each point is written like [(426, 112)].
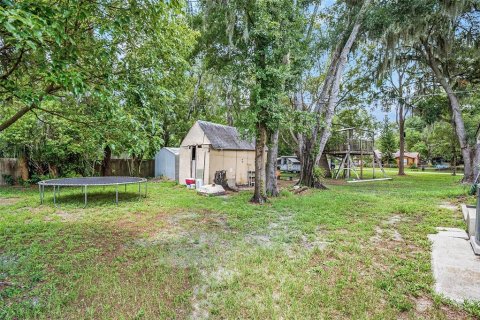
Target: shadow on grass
[(94, 197)]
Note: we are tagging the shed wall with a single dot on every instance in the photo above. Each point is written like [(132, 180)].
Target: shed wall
[(197, 169), (166, 164), (236, 163)]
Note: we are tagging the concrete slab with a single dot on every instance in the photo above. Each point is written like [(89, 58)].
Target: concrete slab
[(466, 209), (475, 245), (211, 190), (455, 267), (470, 216)]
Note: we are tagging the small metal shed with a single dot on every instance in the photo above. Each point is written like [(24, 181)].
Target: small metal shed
[(289, 163), (166, 163)]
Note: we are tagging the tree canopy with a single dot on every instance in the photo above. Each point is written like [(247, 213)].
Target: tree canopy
[(81, 82)]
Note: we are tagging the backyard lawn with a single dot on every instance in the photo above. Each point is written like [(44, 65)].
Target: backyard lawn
[(354, 251)]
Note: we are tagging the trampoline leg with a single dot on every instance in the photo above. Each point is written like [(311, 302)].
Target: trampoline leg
[(116, 194), (125, 188), (85, 191), (145, 189), (54, 196), (139, 193), (40, 193)]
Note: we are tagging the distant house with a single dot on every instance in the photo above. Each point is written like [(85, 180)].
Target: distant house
[(167, 162), (288, 163), (209, 147), (410, 158)]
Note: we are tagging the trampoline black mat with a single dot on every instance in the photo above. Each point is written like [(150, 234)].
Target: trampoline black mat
[(91, 181)]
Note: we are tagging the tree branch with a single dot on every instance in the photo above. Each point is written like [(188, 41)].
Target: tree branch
[(15, 66), (20, 113)]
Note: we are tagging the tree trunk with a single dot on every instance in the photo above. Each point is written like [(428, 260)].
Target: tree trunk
[(401, 125), (476, 169), (23, 164), (330, 89), (333, 99), (229, 104), (166, 136), (454, 149), (313, 149), (456, 113), (308, 163), (193, 104), (53, 170), (261, 142), (271, 179), (106, 168)]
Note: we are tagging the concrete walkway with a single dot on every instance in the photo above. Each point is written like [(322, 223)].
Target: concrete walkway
[(455, 267)]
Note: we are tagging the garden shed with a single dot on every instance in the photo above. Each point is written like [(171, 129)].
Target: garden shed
[(209, 147), (167, 163)]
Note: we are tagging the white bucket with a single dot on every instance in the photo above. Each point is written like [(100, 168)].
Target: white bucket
[(198, 183)]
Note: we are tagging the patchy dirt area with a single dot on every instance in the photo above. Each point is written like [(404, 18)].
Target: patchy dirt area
[(388, 231), (65, 216), (8, 201), (282, 232), (423, 304), (448, 205)]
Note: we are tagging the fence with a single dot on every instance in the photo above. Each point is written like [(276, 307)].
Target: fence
[(9, 167), (120, 167), (124, 167)]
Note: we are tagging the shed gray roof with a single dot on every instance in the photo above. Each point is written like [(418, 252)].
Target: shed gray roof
[(225, 137), (175, 151)]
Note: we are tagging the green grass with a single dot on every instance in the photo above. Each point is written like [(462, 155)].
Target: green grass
[(322, 254)]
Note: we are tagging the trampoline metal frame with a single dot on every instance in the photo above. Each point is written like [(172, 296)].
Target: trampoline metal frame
[(84, 186)]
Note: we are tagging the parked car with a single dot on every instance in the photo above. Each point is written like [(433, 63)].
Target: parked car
[(442, 166), (288, 164)]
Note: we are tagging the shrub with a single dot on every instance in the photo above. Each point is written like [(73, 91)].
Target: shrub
[(8, 179), (23, 183), (318, 174), (318, 177)]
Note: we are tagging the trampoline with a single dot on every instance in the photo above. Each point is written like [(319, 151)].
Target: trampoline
[(85, 182)]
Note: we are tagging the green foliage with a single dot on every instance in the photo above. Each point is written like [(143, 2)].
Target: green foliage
[(318, 174), (9, 180), (388, 143), (101, 73), (256, 43), (435, 140)]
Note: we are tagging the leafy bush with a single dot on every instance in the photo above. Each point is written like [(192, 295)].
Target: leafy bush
[(8, 179), (35, 178), (413, 166), (318, 174), (23, 183)]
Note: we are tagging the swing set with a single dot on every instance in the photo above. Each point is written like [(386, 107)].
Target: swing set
[(350, 146)]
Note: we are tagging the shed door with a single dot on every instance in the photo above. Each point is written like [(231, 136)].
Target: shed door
[(193, 166)]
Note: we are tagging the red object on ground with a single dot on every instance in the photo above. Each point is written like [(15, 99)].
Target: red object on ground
[(189, 181)]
